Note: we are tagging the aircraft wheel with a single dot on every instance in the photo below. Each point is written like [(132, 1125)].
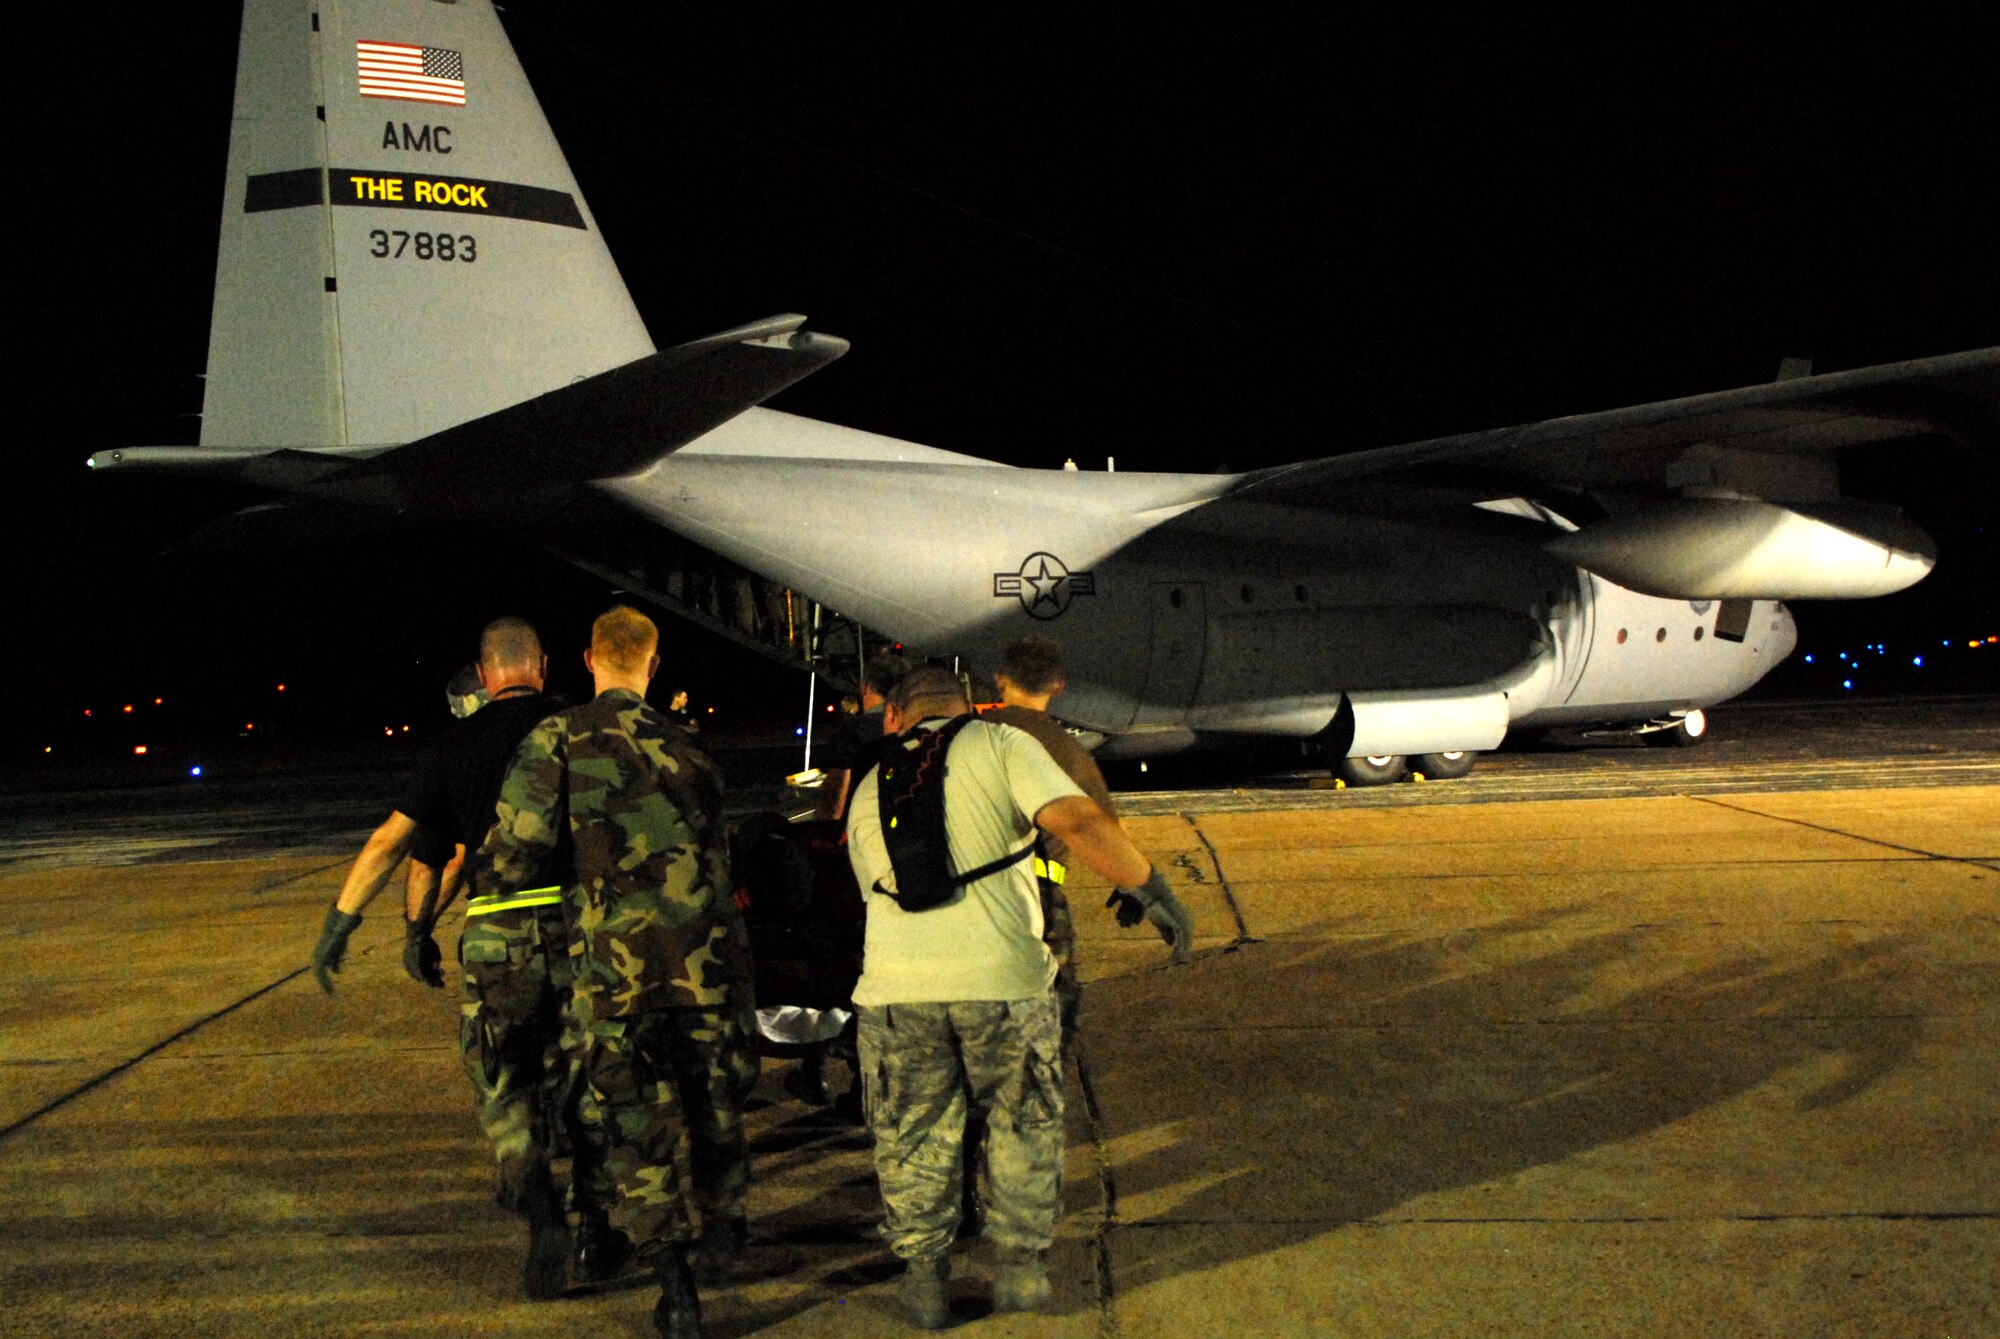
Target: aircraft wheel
[(1692, 730), (1443, 766), (1375, 771)]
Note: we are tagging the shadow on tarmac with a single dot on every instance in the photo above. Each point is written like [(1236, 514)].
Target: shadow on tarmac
[(1387, 1111)]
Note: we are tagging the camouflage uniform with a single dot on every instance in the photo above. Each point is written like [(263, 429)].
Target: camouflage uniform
[(660, 958), (957, 1018), (517, 1042), (922, 1067)]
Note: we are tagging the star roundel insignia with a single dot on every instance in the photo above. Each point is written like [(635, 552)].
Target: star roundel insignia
[(1043, 585)]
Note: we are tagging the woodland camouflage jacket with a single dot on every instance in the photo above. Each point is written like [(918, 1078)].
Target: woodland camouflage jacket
[(652, 917)]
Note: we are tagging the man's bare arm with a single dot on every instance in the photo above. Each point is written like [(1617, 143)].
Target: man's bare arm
[(450, 879), (422, 891), (386, 848), (1094, 839)]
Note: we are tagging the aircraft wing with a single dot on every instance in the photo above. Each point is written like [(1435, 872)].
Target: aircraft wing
[(1783, 434)]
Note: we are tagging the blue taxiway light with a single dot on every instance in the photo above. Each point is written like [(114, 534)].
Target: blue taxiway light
[(194, 771), (1808, 660), (1847, 683), (1918, 661)]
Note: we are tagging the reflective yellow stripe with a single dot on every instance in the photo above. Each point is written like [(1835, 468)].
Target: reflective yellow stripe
[(527, 897), (1052, 870)]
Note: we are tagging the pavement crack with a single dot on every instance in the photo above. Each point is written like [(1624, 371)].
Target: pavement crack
[(1243, 935), (1105, 1285), (1839, 832)]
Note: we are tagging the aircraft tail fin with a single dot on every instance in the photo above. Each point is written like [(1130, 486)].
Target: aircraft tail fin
[(403, 246)]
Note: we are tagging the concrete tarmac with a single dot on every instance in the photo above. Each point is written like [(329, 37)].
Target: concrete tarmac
[(1714, 1064)]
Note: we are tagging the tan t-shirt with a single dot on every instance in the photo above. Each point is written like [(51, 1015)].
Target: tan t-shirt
[(1071, 756), (986, 943)]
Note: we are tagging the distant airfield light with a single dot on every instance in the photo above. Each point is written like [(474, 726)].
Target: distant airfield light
[(1847, 683), (1843, 655), (389, 730), (1918, 661), (249, 725), (1808, 658), (711, 711), (406, 729), (128, 705), (138, 750), (86, 711), (195, 770), (281, 688), (159, 702), (48, 748), (800, 731)]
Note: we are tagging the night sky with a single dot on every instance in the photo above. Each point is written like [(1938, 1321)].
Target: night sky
[(1187, 243)]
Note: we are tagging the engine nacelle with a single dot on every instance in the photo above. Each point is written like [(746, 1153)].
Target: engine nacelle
[(1708, 548), (1425, 721)]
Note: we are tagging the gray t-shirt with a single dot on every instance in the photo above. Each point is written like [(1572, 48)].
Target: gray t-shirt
[(986, 943)]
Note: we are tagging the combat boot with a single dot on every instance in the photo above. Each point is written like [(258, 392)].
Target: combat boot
[(601, 1252), (678, 1315), (1021, 1283), (548, 1240), (721, 1250), (922, 1295)]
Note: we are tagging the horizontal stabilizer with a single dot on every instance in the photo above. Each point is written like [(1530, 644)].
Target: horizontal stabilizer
[(282, 468), (612, 424)]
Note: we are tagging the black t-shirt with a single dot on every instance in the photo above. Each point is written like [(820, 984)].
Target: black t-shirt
[(854, 742), (431, 847), (458, 782)]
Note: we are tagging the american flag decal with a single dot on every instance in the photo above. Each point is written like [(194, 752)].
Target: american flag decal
[(410, 73)]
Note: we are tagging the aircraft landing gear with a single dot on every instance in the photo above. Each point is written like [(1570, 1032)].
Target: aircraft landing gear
[(1375, 771), (1443, 766), (1686, 732)]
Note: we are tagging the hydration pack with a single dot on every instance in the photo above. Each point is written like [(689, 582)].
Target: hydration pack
[(910, 799)]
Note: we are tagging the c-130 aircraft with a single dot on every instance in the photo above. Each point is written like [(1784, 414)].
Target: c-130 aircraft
[(393, 186)]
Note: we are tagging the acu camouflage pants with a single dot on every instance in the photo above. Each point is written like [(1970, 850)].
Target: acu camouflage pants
[(923, 1067), (517, 1046), (646, 1078)]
